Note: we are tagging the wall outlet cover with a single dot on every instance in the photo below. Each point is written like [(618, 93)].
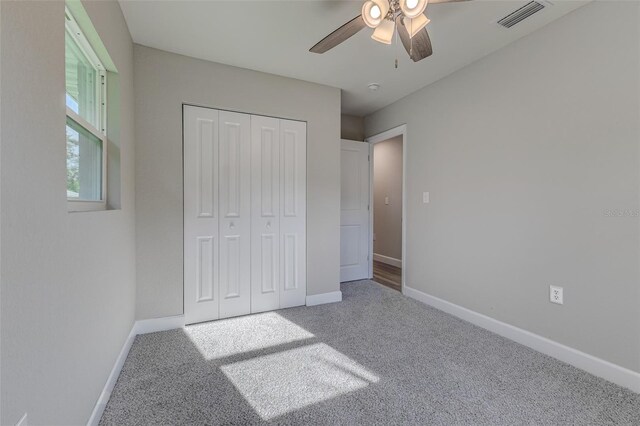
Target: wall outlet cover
[(556, 295)]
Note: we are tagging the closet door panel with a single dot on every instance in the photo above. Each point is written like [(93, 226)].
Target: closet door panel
[(235, 214), (265, 216), (293, 182), (201, 236)]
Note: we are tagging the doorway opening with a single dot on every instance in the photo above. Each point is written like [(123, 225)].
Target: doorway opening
[(387, 250)]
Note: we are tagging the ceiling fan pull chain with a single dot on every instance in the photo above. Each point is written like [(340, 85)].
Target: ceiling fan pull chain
[(411, 48)]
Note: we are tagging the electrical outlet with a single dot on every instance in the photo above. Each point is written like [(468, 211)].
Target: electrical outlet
[(555, 295)]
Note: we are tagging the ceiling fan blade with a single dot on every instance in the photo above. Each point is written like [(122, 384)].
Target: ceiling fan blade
[(418, 47), (339, 35)]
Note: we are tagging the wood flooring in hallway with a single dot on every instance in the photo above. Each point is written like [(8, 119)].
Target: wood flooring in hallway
[(387, 275)]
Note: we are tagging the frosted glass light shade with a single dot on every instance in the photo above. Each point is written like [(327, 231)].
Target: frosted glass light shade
[(412, 8), (374, 12), (416, 24), (384, 32)]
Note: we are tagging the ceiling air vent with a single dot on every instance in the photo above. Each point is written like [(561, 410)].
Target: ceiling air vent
[(521, 14)]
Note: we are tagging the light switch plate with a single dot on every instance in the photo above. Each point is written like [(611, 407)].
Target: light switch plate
[(425, 197), (386, 201)]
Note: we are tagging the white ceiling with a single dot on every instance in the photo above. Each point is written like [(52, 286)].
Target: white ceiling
[(275, 36)]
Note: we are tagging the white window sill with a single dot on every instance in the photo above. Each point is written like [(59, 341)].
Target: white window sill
[(76, 206)]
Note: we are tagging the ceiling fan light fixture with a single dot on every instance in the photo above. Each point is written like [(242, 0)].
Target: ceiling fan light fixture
[(374, 12), (416, 24), (413, 8), (384, 32)]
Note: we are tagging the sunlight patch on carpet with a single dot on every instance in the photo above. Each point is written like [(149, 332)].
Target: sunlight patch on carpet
[(233, 336), (287, 381)]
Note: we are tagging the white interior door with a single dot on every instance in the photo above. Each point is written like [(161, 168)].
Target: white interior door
[(265, 214), (235, 214), (201, 238), (293, 213), (354, 211)]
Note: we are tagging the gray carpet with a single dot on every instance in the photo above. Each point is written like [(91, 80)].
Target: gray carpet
[(376, 358)]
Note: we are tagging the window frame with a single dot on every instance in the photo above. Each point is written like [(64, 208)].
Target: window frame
[(100, 130)]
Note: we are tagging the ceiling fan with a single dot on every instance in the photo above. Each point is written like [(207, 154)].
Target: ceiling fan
[(385, 16)]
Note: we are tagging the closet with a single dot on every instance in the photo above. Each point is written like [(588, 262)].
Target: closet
[(244, 214)]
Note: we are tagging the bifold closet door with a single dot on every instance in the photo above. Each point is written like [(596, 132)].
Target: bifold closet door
[(265, 216), (293, 213), (201, 238), (235, 214), (278, 227), (244, 214)]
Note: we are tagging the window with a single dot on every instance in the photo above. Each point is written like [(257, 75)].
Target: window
[(85, 80)]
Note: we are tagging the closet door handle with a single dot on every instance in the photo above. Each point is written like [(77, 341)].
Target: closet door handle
[(232, 225), (269, 225)]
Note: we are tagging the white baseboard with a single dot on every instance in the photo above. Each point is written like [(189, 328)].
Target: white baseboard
[(321, 299), (388, 260), (589, 363), (101, 404), (159, 324), (23, 421), (139, 327)]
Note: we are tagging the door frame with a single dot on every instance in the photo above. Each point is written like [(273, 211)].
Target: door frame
[(372, 140)]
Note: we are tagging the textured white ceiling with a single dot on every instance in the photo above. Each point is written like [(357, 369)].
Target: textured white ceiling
[(275, 36)]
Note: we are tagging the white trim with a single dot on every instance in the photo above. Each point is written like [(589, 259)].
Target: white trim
[(321, 299), (139, 327), (589, 363), (159, 324), (380, 137), (23, 420), (81, 40), (101, 404), (82, 122), (78, 206), (388, 260)]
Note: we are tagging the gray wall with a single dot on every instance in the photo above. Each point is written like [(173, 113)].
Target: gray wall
[(525, 152), (387, 182), (164, 81), (351, 127), (68, 280)]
